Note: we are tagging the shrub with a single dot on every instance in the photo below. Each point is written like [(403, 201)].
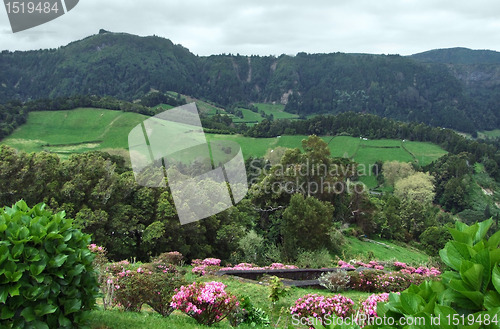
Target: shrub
[(251, 247), (247, 313), (369, 306), (207, 303), (173, 257), (153, 284), (365, 280), (46, 274), (314, 259), (318, 307), (277, 289), (335, 281), (208, 265), (99, 264)]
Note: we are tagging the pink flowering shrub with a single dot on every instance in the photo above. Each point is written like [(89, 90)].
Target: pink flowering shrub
[(207, 303), (343, 264), (208, 265), (211, 262), (211, 265), (316, 306), (378, 281), (369, 306), (247, 266)]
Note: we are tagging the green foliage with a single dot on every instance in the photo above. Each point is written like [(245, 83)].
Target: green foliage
[(310, 234), (153, 284), (251, 247), (46, 274), (434, 239), (335, 281), (249, 314), (314, 259), (277, 289)]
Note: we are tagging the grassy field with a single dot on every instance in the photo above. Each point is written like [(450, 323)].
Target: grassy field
[(277, 110), (248, 116), (489, 134), (253, 117), (84, 129), (424, 153), (75, 131)]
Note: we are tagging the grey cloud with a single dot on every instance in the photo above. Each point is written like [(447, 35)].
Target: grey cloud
[(263, 28)]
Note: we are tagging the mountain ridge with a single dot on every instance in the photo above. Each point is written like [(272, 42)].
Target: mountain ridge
[(126, 66)]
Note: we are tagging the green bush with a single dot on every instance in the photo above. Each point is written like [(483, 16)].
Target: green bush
[(335, 281), (314, 259), (152, 283), (46, 274)]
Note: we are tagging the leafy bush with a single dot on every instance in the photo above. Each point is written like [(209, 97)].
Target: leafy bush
[(207, 303), (364, 281), (277, 289), (314, 259), (208, 265), (99, 264), (335, 281), (379, 281), (251, 247), (173, 257), (46, 274), (249, 314), (153, 284)]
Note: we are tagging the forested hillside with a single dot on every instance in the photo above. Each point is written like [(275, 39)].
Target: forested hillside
[(462, 95)]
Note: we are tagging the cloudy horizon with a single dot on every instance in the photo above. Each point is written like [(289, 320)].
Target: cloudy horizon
[(257, 27)]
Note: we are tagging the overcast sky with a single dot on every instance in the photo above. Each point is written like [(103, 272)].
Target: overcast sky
[(267, 27)]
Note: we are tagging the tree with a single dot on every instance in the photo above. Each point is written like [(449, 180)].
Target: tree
[(274, 155), (487, 212), (395, 170), (306, 224), (418, 187)]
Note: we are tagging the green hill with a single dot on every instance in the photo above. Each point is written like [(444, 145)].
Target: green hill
[(458, 55), (127, 67)]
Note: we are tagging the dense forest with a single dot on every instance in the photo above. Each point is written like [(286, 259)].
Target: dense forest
[(425, 88)]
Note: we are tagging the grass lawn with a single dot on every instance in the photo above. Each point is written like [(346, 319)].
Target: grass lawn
[(405, 255), (248, 116)]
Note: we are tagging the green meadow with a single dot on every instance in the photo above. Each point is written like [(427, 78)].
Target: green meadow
[(84, 129)]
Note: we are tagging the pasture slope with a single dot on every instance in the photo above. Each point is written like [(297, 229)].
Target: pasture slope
[(84, 129)]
